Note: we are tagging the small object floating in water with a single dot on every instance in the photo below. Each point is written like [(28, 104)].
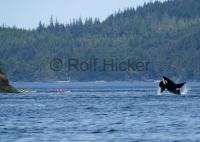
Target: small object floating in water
[(167, 84), (57, 91), (23, 91)]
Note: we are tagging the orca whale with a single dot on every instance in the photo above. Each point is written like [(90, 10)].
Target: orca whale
[(169, 85)]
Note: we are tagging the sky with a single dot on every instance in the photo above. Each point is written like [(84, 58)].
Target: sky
[(27, 13)]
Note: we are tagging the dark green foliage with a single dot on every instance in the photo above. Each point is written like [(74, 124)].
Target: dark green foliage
[(164, 34)]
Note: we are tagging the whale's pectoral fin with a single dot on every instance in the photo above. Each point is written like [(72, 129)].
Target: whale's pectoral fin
[(162, 89)]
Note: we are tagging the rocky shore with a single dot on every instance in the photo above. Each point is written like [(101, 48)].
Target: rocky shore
[(5, 87)]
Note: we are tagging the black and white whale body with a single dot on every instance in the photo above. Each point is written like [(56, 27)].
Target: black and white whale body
[(167, 84)]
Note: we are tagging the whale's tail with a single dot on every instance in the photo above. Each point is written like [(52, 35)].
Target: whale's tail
[(180, 85)]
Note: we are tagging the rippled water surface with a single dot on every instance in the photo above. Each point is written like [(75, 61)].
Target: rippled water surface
[(99, 112)]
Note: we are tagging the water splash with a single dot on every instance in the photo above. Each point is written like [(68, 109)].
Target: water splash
[(185, 90), (159, 91)]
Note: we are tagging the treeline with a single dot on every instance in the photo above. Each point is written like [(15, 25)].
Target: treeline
[(164, 34)]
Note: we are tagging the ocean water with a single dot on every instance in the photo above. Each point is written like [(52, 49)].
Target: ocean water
[(99, 112)]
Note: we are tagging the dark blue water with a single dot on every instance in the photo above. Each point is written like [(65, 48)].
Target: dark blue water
[(99, 112)]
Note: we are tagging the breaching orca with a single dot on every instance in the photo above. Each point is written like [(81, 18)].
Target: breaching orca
[(166, 83)]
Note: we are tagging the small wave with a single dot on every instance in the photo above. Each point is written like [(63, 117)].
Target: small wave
[(112, 130), (91, 108), (97, 131)]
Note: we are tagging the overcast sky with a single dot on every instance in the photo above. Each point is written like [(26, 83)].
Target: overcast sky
[(27, 13)]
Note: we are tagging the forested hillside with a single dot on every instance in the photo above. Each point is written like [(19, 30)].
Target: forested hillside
[(164, 34)]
